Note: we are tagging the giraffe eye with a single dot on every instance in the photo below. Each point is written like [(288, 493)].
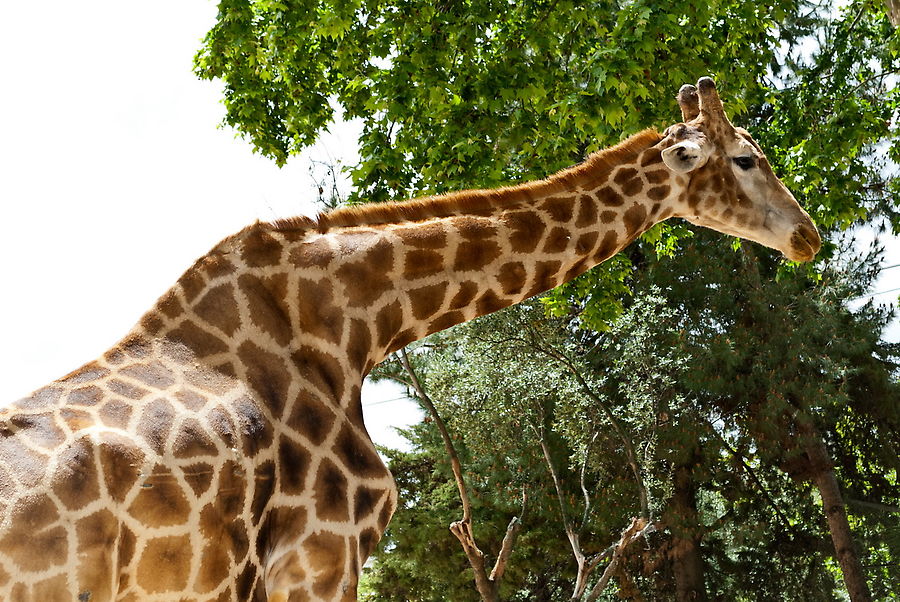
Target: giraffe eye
[(746, 162)]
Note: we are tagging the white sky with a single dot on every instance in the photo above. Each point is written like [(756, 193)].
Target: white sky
[(114, 178)]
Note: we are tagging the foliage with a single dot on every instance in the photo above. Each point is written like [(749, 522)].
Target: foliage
[(474, 93), (712, 362), (706, 371), (539, 402)]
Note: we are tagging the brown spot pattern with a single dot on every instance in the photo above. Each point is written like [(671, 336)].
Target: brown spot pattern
[(657, 177), (218, 308), (658, 193), (331, 492), (76, 481), (261, 249), (199, 476), (607, 247), (424, 236), (165, 564), (512, 277), (268, 375), (489, 302), (421, 263), (651, 156), (446, 321), (85, 396), (624, 174), (193, 441), (634, 219), (198, 340), (474, 255), (561, 209), (426, 301), (465, 294), (326, 554), (388, 321), (587, 211), (160, 501), (126, 389), (526, 229), (358, 456), (545, 275), (155, 424), (115, 413), (359, 344), (366, 280), (253, 425), (267, 298), (313, 254), (293, 464), (557, 241), (321, 370), (311, 417), (610, 197), (264, 487), (632, 186)]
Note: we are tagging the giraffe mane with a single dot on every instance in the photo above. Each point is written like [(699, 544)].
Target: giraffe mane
[(597, 166)]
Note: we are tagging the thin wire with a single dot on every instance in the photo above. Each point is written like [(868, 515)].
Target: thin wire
[(378, 403), (890, 290)]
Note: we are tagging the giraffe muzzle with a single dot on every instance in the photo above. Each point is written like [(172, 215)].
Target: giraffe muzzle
[(805, 243)]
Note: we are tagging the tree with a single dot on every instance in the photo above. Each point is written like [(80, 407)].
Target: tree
[(538, 420), (459, 94), (475, 93)]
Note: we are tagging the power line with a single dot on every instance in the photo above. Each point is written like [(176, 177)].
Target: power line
[(890, 290), (378, 403)]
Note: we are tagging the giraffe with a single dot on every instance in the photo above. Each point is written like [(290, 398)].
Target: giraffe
[(218, 451)]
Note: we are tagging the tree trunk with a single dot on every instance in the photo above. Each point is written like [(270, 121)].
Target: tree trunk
[(893, 11), (684, 524), (836, 515)]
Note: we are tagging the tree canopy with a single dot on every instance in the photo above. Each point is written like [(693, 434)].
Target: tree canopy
[(755, 390)]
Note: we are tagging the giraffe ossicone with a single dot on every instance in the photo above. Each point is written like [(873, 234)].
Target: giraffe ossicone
[(218, 452)]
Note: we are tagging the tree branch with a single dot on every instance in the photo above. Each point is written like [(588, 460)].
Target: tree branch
[(630, 453), (509, 540), (756, 481), (638, 528), (455, 464), (487, 585), (584, 491)]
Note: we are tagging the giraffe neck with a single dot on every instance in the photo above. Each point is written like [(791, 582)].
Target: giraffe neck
[(330, 302)]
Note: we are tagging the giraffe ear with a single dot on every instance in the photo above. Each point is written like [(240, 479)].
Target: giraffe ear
[(685, 156)]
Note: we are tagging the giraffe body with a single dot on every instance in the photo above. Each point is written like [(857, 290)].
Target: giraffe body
[(218, 452)]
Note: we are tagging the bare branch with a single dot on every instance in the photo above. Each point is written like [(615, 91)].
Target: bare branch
[(567, 523), (462, 529), (509, 540), (488, 586), (638, 528), (873, 505), (584, 491), (455, 464)]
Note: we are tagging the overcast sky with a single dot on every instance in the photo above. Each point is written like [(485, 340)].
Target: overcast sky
[(114, 178)]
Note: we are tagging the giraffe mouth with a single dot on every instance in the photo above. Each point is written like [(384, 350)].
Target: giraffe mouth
[(805, 243)]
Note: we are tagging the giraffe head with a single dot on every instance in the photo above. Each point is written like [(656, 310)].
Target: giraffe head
[(730, 186)]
